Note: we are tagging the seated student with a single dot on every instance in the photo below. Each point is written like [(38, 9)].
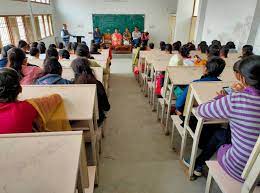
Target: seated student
[(191, 46), (151, 46), (247, 50), (182, 58), (224, 52), (213, 51), (176, 46), (216, 43), (232, 47), (94, 49), (84, 75), (168, 49), (70, 48), (24, 46), (4, 59), (53, 46), (143, 46), (203, 47), (15, 116), (212, 71), (61, 46), (117, 38), (42, 49), (64, 54), (34, 44), (83, 51), (74, 47), (52, 71), (97, 35), (34, 53), (18, 61), (242, 110), (52, 52), (162, 46)]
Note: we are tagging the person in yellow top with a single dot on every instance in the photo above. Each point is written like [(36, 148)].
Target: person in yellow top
[(127, 37)]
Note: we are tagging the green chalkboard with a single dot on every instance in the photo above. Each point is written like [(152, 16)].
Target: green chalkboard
[(108, 22)]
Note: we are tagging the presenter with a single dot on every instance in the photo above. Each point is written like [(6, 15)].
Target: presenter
[(65, 35)]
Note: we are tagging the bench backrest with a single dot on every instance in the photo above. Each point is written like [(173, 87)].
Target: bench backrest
[(79, 100)]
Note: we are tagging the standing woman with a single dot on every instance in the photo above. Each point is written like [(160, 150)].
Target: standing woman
[(127, 37), (84, 75), (18, 61)]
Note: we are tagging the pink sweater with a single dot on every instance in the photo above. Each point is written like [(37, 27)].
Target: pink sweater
[(31, 73)]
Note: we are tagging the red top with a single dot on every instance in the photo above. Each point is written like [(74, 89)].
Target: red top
[(16, 117)]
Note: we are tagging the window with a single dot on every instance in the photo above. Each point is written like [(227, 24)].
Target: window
[(50, 25), (20, 25), (41, 26), (46, 23), (4, 32)]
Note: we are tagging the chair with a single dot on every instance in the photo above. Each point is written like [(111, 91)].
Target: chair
[(77, 108), (227, 184)]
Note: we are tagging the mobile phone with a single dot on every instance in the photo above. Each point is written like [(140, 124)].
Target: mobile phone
[(228, 90)]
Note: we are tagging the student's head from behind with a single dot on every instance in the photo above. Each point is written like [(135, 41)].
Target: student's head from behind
[(214, 50), (69, 46), (151, 46), (5, 50), (35, 52), (176, 46), (64, 54), (94, 48), (247, 50), (83, 51), (236, 70), (52, 52), (231, 45), (61, 45), (9, 85), (34, 44), (203, 48), (82, 71), (42, 48), (224, 51), (52, 66), (16, 59), (23, 45), (185, 51), (250, 70), (214, 67), (162, 45), (191, 46), (216, 42), (52, 46), (168, 48)]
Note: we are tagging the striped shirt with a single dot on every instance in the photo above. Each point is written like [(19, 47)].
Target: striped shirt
[(242, 109)]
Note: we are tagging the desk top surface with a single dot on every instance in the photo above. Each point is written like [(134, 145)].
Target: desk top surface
[(39, 162)]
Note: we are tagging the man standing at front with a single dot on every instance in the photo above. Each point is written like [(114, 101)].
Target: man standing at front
[(136, 37), (65, 35)]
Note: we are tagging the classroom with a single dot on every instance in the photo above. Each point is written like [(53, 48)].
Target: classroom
[(129, 96)]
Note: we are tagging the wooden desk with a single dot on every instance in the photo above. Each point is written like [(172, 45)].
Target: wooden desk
[(44, 162), (200, 92)]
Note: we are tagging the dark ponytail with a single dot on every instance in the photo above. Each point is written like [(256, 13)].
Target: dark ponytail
[(250, 69), (16, 57)]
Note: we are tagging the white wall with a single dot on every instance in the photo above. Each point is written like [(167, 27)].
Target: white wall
[(257, 42), (228, 20), (78, 14), (9, 7)]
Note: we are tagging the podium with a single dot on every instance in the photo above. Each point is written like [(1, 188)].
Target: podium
[(79, 38)]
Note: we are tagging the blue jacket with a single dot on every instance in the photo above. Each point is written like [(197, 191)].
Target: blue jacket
[(180, 101), (50, 79), (3, 62)]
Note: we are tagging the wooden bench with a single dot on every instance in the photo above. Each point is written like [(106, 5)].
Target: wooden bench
[(45, 162), (80, 103)]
